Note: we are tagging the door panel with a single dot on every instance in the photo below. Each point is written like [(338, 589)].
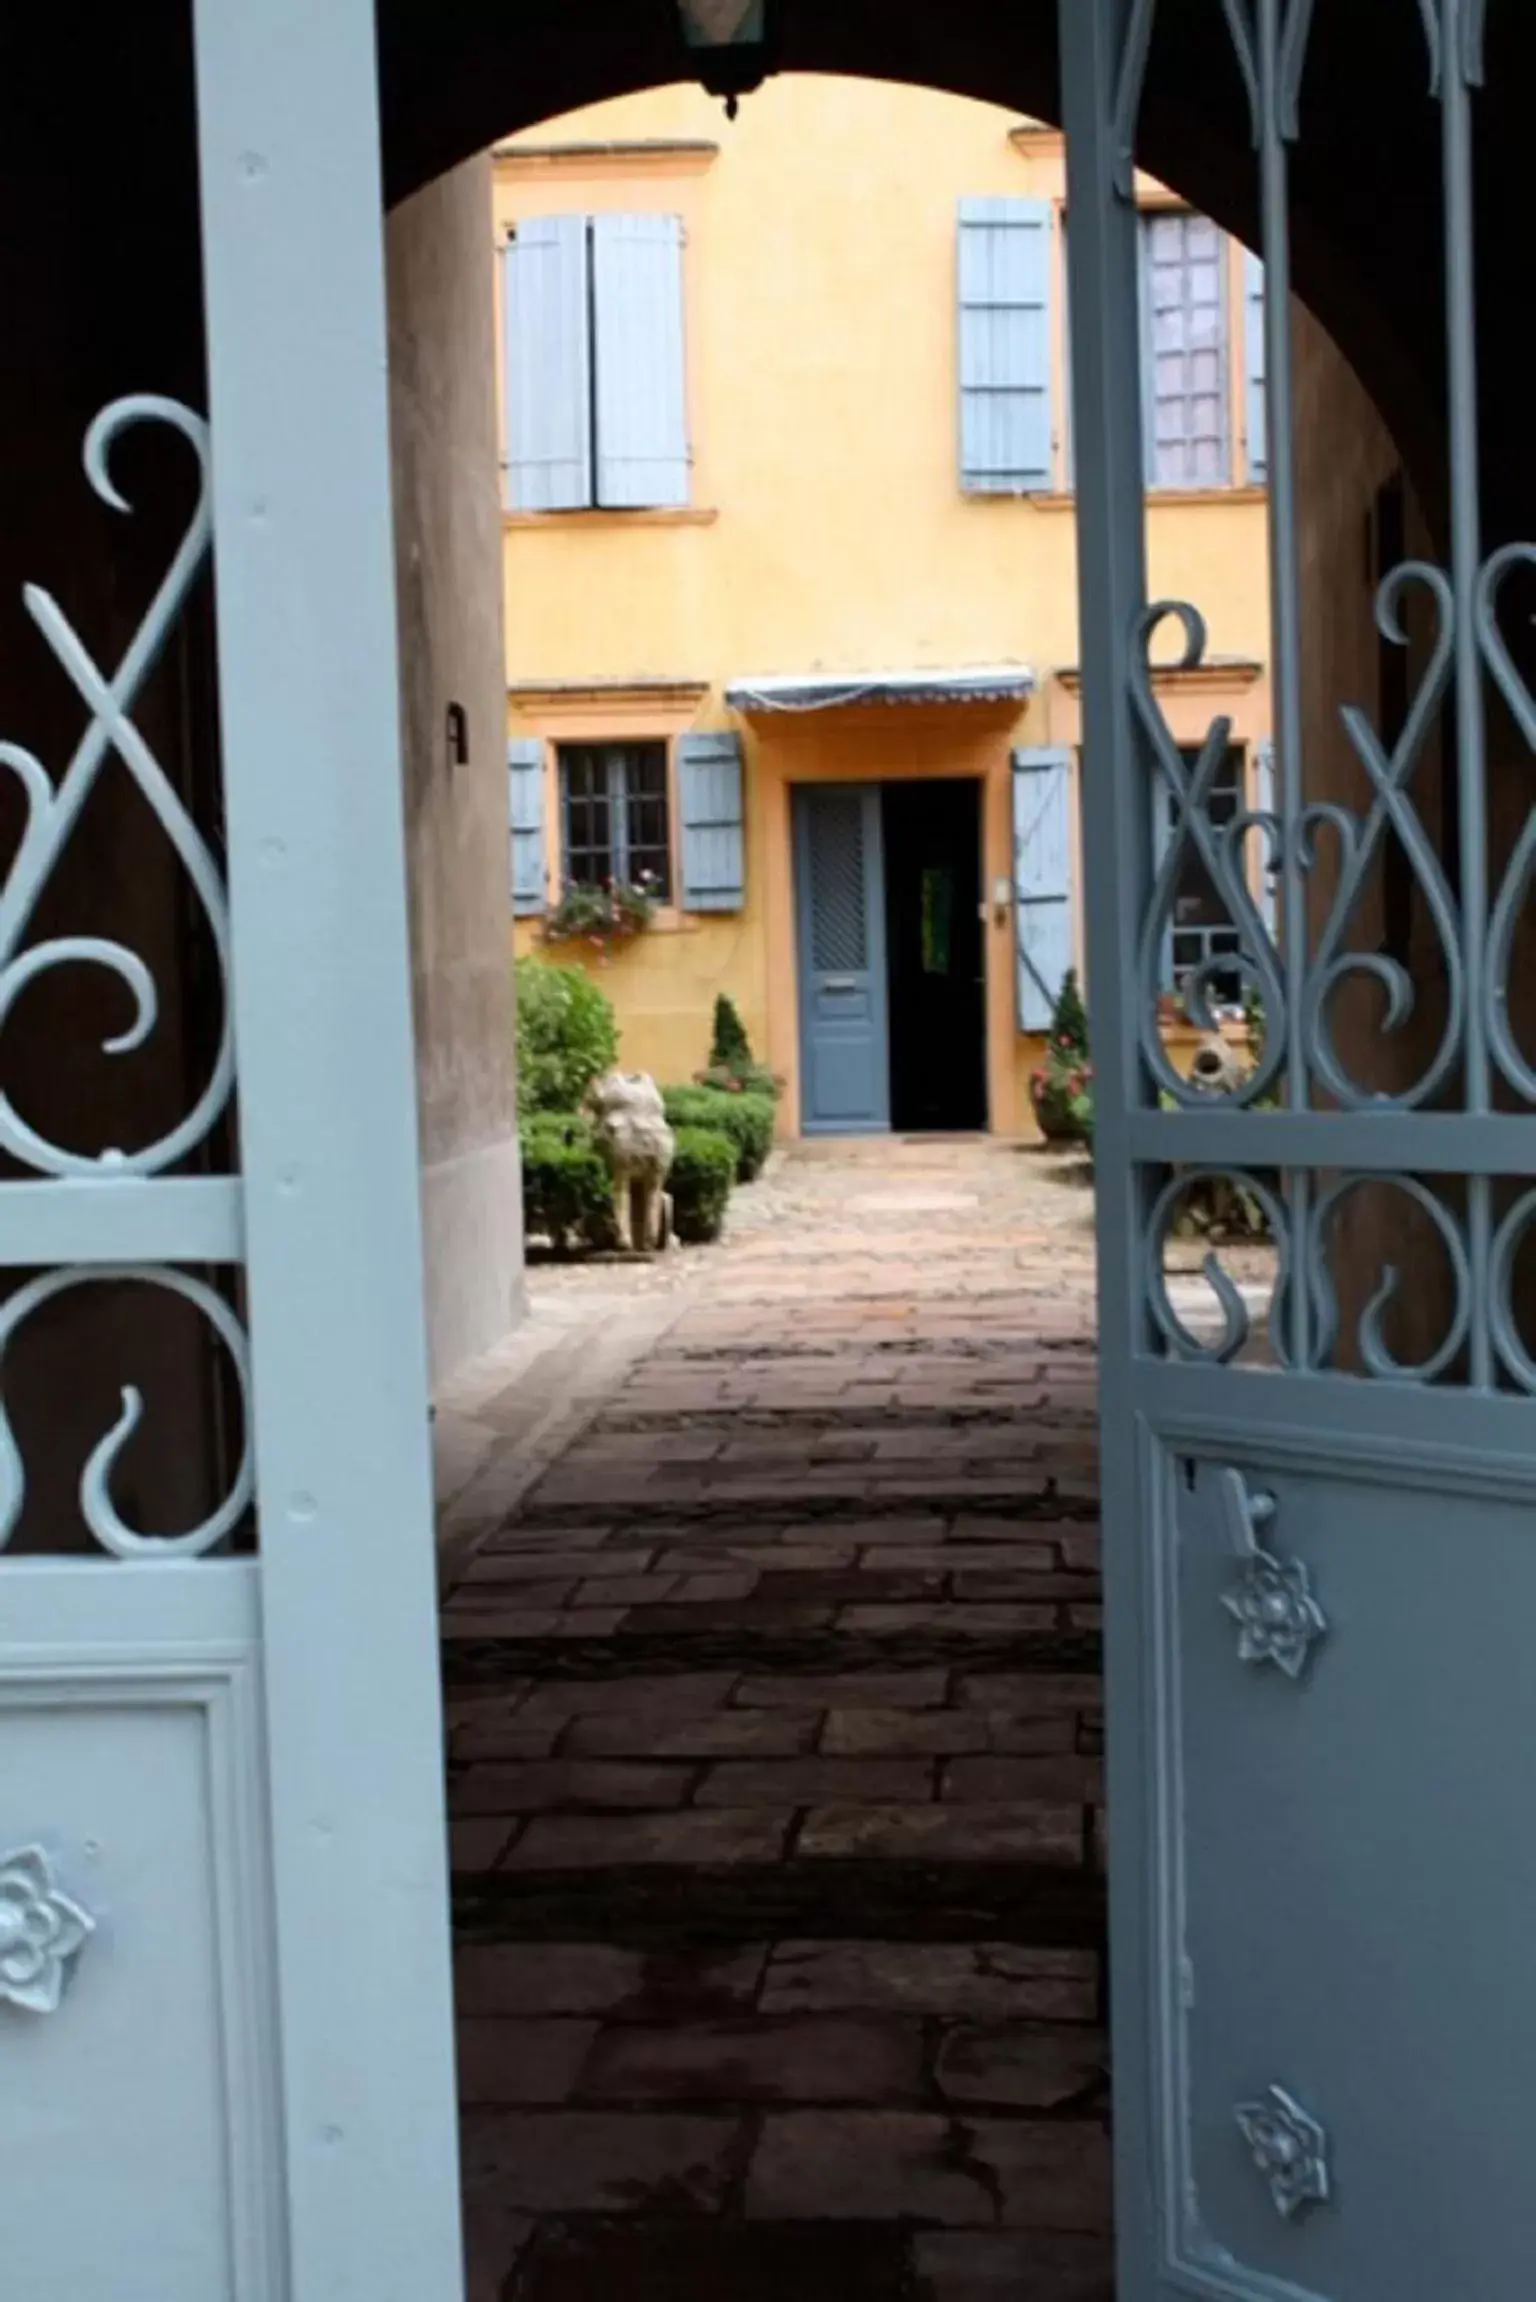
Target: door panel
[(1348, 1891), (841, 904)]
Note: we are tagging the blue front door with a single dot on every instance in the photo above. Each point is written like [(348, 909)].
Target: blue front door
[(840, 898)]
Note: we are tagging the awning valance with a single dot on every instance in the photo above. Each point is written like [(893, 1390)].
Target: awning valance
[(839, 691)]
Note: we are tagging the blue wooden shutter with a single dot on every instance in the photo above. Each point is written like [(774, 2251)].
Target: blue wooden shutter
[(1254, 369), (549, 366), (709, 774), (1264, 804), (1042, 872), (642, 392), (525, 795), (1006, 414)]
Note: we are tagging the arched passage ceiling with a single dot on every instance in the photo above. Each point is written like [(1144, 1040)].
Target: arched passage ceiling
[(456, 74)]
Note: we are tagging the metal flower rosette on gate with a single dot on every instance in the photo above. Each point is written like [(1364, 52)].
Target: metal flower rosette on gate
[(42, 1932)]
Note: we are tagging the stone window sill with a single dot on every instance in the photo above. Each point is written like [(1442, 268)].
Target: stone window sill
[(1065, 500), (672, 516)]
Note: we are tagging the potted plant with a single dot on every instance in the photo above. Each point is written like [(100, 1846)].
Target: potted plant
[(732, 1066), (1061, 1088), (602, 916)]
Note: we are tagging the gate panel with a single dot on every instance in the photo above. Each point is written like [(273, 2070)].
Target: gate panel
[(225, 2024), (139, 2116), (1349, 1895), (1318, 1486)]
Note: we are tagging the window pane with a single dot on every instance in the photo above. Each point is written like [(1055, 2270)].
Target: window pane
[(1202, 928), (1184, 259), (647, 840), (588, 817), (648, 770)]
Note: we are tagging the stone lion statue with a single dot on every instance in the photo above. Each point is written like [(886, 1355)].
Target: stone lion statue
[(631, 1129), (1217, 1068)]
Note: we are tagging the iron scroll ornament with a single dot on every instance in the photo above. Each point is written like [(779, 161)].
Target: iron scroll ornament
[(1220, 849), (1279, 1620), (97, 1507), (53, 809), (42, 1932)]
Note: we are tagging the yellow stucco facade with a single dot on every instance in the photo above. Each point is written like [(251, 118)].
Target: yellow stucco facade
[(827, 530)]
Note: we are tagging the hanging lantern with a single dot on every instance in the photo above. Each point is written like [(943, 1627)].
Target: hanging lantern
[(729, 45)]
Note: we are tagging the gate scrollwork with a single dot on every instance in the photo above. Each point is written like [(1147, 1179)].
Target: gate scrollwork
[(78, 1185), (97, 1508), (52, 811)]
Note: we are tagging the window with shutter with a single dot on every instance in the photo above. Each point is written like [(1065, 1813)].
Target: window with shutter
[(709, 773), (1184, 350), (1044, 900), (525, 795), (549, 365), (597, 402), (1007, 427)]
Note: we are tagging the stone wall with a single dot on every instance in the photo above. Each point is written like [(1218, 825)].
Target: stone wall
[(448, 555)]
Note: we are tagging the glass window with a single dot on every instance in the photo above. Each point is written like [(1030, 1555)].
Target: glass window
[(1184, 321), (616, 817), (1202, 928)]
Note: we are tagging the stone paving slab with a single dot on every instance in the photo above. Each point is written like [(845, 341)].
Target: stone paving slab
[(774, 1739)]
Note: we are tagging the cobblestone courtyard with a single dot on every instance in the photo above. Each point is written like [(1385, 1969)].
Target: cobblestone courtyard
[(771, 1641)]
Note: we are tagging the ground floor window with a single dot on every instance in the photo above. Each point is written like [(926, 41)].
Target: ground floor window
[(1203, 929), (615, 816)]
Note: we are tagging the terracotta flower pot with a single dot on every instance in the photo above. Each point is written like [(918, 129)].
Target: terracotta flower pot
[(1053, 1117)]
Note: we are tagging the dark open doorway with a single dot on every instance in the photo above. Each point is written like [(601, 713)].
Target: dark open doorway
[(936, 967)]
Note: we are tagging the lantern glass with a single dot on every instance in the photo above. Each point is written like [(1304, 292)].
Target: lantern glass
[(724, 23)]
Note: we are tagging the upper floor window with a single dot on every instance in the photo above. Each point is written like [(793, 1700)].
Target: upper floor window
[(1185, 373), (1010, 421), (596, 383), (616, 819)]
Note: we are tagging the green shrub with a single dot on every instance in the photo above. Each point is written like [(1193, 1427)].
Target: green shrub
[(730, 1046), (700, 1183), (566, 1035), (732, 1065), (567, 1191), (746, 1119)]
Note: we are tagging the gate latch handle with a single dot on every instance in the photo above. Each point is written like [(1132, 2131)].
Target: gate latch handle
[(1278, 1619), (1245, 1513)]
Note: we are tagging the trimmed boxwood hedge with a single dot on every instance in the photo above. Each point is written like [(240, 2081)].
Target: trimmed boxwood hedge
[(567, 1190), (700, 1183), (746, 1119)]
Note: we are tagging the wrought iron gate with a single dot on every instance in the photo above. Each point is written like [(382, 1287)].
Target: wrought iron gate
[(225, 2037), (1318, 1518)]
